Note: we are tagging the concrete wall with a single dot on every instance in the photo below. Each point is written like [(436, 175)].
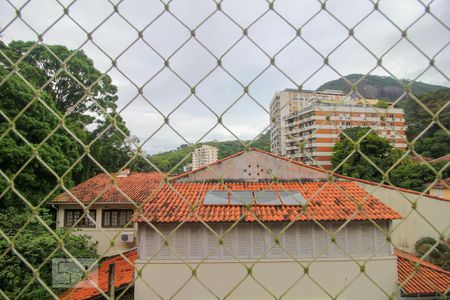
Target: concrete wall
[(430, 218), (269, 279), (254, 165), (108, 239)]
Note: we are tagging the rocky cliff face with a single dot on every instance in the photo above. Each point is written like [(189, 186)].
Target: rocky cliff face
[(379, 87)]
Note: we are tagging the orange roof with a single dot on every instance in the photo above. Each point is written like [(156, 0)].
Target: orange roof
[(137, 186), (329, 172), (328, 201), (123, 276), (429, 279), (442, 158), (442, 184)]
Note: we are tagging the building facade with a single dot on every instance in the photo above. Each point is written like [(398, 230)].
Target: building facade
[(203, 156), (312, 132), (241, 233), (290, 101), (102, 206)]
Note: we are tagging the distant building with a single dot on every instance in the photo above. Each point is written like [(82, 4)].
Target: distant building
[(441, 188), (315, 121), (290, 101), (203, 156), (187, 167)]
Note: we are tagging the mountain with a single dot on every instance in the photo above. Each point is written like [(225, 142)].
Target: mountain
[(379, 87), (176, 159)]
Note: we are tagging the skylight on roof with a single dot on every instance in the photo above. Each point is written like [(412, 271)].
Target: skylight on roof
[(292, 198), (241, 197), (267, 197), (216, 198)]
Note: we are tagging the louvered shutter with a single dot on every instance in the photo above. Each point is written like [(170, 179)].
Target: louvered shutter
[(366, 242), (321, 239), (243, 240), (212, 241), (195, 241), (290, 240), (150, 242), (258, 243), (336, 248), (305, 239), (381, 245), (275, 249), (165, 252), (228, 239), (180, 242), (351, 231)]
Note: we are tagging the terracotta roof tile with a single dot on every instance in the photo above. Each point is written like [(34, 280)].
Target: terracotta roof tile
[(137, 186), (336, 175), (327, 201), (429, 279), (124, 274)]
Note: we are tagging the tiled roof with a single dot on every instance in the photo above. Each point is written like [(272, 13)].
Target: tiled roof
[(123, 276), (429, 279), (442, 184), (137, 186), (336, 175), (328, 201), (442, 158)]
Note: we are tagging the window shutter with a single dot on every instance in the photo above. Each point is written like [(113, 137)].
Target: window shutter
[(305, 239), (228, 239), (257, 240), (366, 244), (212, 242), (381, 245), (150, 242), (321, 240), (180, 242), (243, 240), (275, 249), (351, 231), (290, 240), (195, 241), (165, 252), (336, 248)]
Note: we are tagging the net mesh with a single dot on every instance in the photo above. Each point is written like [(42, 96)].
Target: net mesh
[(213, 38)]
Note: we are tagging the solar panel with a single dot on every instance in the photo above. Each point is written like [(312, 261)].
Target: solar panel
[(292, 198), (267, 197), (241, 197), (216, 198)]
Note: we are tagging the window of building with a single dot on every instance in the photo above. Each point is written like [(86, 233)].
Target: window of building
[(116, 217), (71, 216)]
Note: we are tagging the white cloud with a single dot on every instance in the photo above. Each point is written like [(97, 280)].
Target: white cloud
[(165, 34)]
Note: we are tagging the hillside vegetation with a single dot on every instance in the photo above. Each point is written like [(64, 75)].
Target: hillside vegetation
[(174, 160), (379, 87)]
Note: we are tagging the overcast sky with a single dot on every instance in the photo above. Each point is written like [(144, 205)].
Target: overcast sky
[(301, 65)]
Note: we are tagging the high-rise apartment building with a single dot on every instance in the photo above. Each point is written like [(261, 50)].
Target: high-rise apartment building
[(290, 101), (308, 130), (203, 156)]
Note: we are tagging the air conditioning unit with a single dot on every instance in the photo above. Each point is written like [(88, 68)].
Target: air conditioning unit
[(127, 237)]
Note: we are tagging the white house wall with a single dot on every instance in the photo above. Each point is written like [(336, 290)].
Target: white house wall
[(254, 165), (107, 239), (163, 275), (194, 241), (431, 217)]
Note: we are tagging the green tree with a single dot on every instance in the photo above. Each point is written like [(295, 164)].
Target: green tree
[(38, 246), (378, 150), (435, 145), (44, 62), (411, 175), (439, 254), (35, 126)]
